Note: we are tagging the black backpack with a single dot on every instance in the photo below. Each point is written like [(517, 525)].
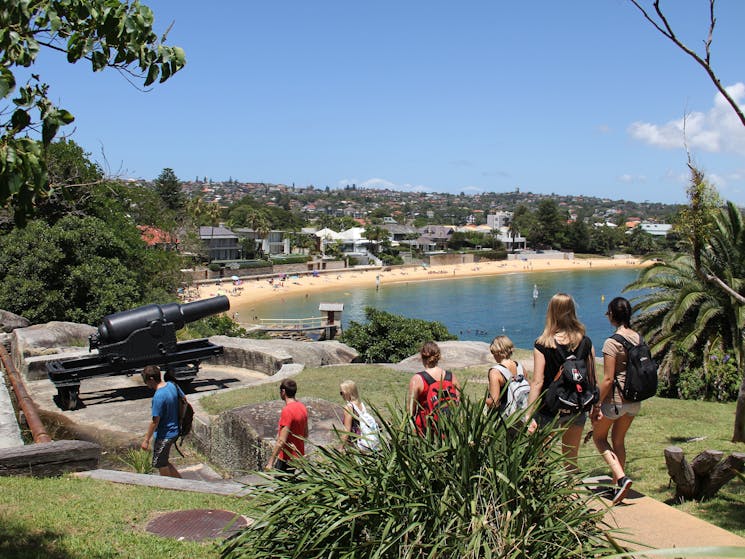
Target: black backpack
[(641, 371), (574, 388), (185, 417)]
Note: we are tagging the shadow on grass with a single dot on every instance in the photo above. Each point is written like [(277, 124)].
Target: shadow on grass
[(18, 542), (726, 510)]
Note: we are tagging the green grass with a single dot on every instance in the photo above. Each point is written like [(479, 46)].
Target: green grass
[(661, 423), (68, 517)]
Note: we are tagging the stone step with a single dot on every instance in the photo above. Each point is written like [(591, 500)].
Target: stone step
[(224, 487)]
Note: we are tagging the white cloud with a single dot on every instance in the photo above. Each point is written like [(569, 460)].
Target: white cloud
[(377, 183), (471, 189), (631, 179), (717, 130)]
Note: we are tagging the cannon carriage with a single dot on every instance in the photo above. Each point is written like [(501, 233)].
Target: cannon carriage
[(128, 341)]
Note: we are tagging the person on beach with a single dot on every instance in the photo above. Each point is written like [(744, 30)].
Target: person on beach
[(164, 420), (613, 414), (428, 389), (360, 428), (562, 330), (499, 377), (292, 430)]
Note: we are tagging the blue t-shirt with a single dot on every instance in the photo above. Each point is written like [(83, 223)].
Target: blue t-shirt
[(165, 406)]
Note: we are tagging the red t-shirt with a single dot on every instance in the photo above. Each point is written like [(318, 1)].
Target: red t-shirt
[(295, 417)]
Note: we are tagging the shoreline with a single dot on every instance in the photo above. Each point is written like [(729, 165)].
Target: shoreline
[(260, 290)]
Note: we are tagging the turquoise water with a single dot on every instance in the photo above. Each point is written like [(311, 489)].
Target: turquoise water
[(473, 308)]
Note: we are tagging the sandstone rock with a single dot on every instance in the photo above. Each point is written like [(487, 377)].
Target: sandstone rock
[(268, 356), (45, 339), (455, 355), (10, 321), (241, 440)]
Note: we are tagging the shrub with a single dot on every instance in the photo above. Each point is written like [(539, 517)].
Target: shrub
[(389, 338), (481, 489), (717, 381), (216, 325)]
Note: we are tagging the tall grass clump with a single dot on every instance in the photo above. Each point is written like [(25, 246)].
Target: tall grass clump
[(479, 487)]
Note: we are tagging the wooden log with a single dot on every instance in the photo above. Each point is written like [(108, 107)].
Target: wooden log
[(722, 473), (49, 459), (704, 462), (680, 471)]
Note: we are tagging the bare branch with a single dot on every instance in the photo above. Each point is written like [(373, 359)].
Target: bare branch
[(667, 30)]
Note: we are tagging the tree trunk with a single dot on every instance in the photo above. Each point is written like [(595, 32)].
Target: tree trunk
[(681, 472), (738, 435)]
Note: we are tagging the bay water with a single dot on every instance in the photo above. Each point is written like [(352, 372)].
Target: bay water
[(477, 308)]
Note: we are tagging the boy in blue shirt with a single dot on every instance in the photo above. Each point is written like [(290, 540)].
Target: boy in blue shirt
[(164, 423)]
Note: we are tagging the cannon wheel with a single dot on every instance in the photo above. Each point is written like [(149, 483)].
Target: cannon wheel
[(69, 397)]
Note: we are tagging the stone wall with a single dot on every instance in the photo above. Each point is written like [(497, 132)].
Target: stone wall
[(241, 440)]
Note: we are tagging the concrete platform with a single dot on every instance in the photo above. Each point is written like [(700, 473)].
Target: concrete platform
[(117, 408)]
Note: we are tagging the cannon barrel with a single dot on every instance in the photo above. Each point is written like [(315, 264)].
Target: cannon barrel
[(118, 326)]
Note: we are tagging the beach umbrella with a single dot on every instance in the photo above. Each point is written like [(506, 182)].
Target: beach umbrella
[(234, 278)]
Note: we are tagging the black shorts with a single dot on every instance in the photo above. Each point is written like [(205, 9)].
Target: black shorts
[(162, 452)]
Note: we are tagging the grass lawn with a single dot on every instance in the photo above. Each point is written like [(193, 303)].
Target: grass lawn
[(68, 517)]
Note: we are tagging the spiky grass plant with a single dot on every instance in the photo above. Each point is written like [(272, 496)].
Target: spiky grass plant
[(141, 461), (480, 487)]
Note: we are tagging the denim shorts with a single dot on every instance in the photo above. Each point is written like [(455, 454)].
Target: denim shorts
[(614, 411), (565, 420), (162, 452)]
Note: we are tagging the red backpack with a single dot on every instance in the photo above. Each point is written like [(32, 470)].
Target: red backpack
[(434, 398)]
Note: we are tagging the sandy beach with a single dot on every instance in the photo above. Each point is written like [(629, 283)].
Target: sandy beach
[(253, 290)]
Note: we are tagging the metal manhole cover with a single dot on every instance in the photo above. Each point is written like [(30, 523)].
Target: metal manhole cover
[(197, 525)]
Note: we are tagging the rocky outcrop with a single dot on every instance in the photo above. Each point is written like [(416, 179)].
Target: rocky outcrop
[(268, 356), (34, 346), (455, 355), (240, 440), (10, 321)]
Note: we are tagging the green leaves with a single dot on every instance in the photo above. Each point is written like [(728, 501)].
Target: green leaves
[(109, 33)]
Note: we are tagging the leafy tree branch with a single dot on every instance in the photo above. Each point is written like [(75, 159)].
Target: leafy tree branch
[(108, 33)]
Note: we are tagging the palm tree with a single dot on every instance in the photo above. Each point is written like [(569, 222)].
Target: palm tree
[(685, 315)]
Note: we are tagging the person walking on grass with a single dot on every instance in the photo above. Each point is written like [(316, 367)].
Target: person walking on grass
[(164, 420), (430, 390), (292, 430), (563, 334), (360, 428), (614, 415)]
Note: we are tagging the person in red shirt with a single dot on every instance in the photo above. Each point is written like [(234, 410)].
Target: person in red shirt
[(293, 429)]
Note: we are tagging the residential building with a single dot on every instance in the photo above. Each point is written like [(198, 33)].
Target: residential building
[(221, 242)]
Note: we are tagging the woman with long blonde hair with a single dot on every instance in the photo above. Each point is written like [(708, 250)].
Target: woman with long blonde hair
[(563, 334)]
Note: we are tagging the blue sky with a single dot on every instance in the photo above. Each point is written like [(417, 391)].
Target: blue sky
[(573, 97)]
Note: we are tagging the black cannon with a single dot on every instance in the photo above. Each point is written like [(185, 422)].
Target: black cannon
[(130, 340)]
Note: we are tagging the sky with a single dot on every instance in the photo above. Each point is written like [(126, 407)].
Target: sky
[(574, 97)]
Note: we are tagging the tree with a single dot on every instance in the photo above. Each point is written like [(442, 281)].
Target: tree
[(549, 228), (389, 338), (375, 234), (168, 188), (698, 218), (685, 319), (108, 33), (80, 269)]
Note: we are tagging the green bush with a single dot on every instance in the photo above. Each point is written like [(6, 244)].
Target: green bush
[(718, 381), (479, 488), (214, 267), (293, 259), (389, 338), (216, 325)]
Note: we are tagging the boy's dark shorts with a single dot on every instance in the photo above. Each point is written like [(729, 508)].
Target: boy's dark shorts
[(162, 452)]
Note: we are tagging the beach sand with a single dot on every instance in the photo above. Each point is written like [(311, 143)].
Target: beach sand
[(255, 290)]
